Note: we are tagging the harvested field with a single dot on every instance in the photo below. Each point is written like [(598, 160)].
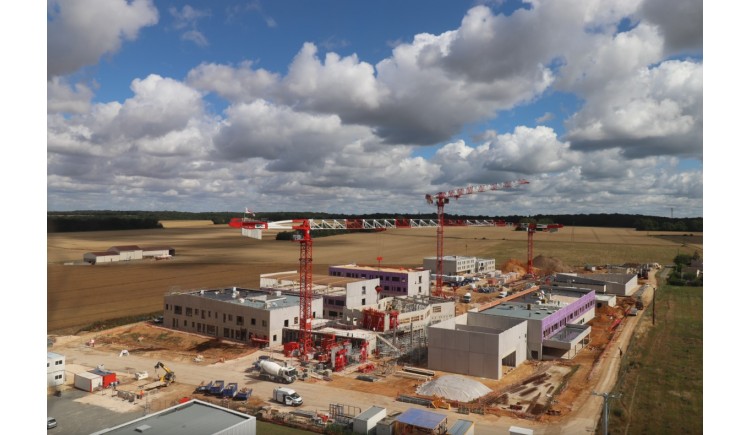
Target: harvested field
[(215, 256)]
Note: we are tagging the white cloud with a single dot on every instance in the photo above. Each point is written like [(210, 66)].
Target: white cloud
[(240, 84), (80, 32), (679, 21), (66, 97), (187, 19)]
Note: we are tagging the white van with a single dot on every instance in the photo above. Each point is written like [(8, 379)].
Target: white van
[(502, 294), (466, 298)]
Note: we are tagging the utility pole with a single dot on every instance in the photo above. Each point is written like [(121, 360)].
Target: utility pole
[(606, 397)]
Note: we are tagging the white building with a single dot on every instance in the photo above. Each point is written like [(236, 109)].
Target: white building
[(393, 281), (459, 265), (338, 292), (249, 316), (55, 369)]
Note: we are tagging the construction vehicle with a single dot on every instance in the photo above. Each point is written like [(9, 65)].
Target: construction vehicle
[(287, 396), (169, 376), (204, 388), (216, 388), (230, 390), (271, 371), (243, 394)]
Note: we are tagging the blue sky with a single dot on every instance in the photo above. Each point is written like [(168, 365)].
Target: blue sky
[(360, 107)]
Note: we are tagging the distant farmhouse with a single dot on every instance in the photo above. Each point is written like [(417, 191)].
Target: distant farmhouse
[(127, 253)]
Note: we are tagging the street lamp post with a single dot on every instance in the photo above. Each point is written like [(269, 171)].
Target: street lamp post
[(606, 397)]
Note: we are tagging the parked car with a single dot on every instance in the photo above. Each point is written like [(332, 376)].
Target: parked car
[(51, 422)]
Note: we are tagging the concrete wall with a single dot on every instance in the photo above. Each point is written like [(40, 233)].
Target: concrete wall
[(407, 282), (457, 347), (231, 321)]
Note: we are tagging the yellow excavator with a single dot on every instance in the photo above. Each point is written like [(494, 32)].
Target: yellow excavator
[(168, 376)]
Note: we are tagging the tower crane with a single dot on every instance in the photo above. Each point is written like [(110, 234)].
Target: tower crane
[(442, 198), (530, 229)]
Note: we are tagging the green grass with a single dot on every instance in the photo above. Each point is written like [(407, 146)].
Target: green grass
[(661, 376)]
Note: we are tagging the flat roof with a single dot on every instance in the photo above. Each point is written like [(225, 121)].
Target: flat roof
[(316, 279), (250, 298), (53, 355), (370, 413), (193, 417), (461, 427), (521, 311), (376, 268), (421, 418)]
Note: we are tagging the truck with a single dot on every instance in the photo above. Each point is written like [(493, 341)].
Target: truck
[(272, 371), (466, 298), (243, 394), (216, 388), (230, 390), (287, 396)]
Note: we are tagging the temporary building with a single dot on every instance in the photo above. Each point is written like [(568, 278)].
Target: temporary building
[(107, 376), (87, 381), (366, 422)]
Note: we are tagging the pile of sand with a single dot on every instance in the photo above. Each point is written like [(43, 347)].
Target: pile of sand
[(454, 387)]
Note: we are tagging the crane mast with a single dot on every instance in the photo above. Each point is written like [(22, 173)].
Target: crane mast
[(305, 286), (442, 198)]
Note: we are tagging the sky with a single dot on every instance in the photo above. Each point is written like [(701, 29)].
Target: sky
[(361, 107)]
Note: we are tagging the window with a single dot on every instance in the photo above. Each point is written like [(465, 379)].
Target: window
[(286, 322), (178, 309), (58, 377), (189, 312), (296, 320), (363, 301), (437, 309), (184, 323), (252, 321), (226, 332), (364, 290), (240, 321), (274, 338), (229, 317), (264, 323)]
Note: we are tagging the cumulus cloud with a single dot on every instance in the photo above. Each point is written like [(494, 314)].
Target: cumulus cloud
[(658, 111), (80, 32), (68, 97), (337, 132), (680, 22)]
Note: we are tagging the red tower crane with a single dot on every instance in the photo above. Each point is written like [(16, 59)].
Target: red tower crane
[(305, 286), (532, 228), (442, 198)]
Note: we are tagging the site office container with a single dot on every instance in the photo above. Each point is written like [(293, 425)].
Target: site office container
[(87, 381), (107, 377)]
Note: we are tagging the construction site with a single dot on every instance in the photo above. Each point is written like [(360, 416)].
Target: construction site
[(523, 341)]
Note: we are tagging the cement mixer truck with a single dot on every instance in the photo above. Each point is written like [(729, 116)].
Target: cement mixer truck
[(271, 371)]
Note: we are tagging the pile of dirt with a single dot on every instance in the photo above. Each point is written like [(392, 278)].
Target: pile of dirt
[(513, 265), (550, 265)]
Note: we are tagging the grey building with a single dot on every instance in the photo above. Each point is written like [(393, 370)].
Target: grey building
[(539, 326), (192, 417), (249, 316), (610, 283)]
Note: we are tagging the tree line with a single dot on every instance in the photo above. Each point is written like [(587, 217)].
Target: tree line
[(106, 220)]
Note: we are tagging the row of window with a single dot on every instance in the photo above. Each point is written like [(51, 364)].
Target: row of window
[(552, 329), (57, 363)]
